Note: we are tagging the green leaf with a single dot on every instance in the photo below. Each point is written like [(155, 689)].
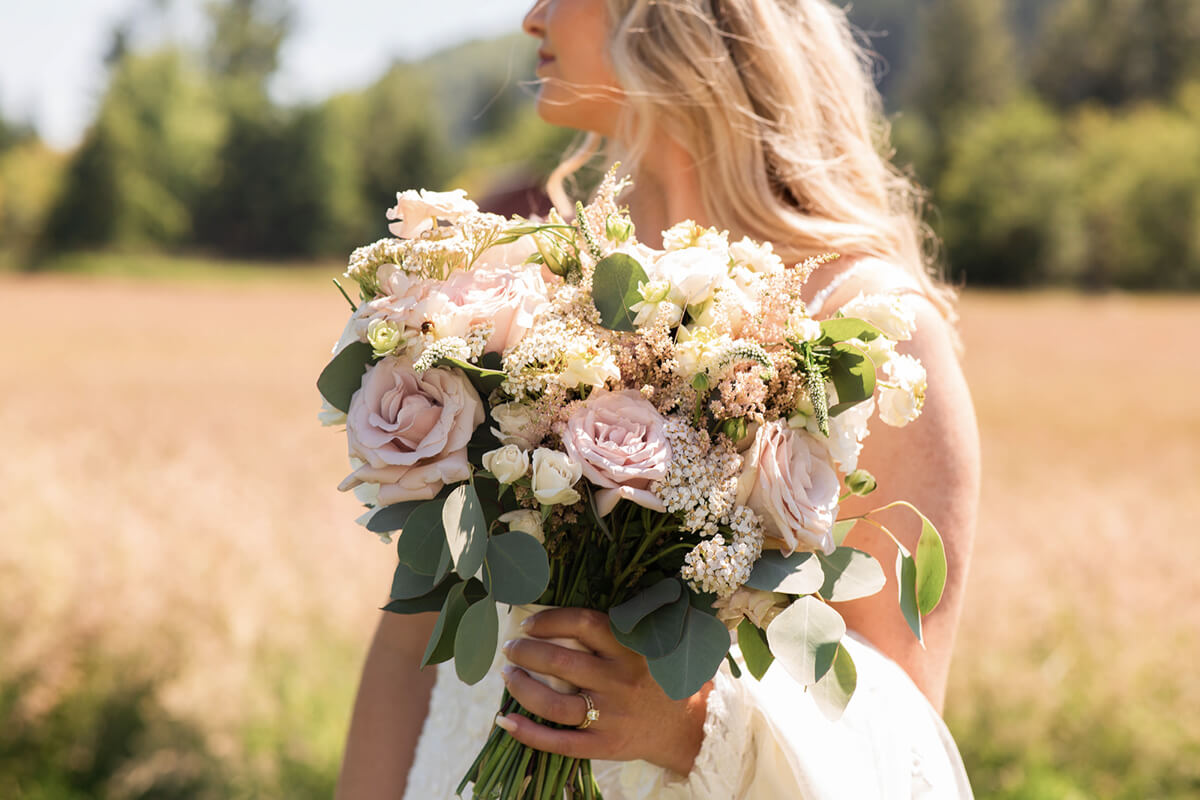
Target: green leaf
[(658, 632), (516, 569), (850, 574), (630, 613), (441, 642), (430, 601), (484, 380), (841, 529), (799, 573), (752, 641), (342, 376), (931, 566), (408, 584), (445, 563), (475, 642), (805, 637), (466, 529), (906, 577), (615, 289), (833, 692), (682, 672), (421, 542), (843, 328), (702, 601), (853, 375)]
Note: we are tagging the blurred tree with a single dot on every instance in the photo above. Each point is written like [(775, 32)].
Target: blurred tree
[(243, 46), (1116, 51)]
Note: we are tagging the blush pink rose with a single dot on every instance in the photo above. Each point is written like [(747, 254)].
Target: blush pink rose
[(411, 430), (408, 302), (621, 441), (789, 481), (509, 297), (416, 211)]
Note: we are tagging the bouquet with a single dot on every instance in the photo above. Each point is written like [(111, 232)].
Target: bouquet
[(551, 412)]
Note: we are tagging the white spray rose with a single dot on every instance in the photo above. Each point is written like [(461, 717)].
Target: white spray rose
[(891, 313), (515, 421), (588, 367), (803, 327), (384, 336), (903, 393), (554, 474), (509, 463), (757, 257), (694, 274), (525, 521)]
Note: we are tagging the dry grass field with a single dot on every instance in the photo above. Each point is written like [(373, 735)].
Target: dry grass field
[(170, 534)]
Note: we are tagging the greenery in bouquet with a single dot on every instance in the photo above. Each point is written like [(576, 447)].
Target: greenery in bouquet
[(551, 412)]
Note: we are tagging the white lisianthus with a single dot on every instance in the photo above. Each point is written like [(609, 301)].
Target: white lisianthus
[(554, 474), (846, 433), (694, 274), (588, 366), (329, 415), (515, 421), (525, 521), (757, 257), (655, 302), (688, 234), (903, 393), (880, 350), (803, 327), (417, 211), (891, 313), (697, 349), (508, 463), (384, 336)]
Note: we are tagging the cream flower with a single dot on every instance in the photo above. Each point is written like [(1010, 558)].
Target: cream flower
[(758, 258), (588, 366), (514, 421), (508, 463), (417, 211), (525, 521), (694, 274), (891, 313), (788, 480), (753, 604), (902, 395), (554, 474), (620, 440), (411, 430), (506, 297)]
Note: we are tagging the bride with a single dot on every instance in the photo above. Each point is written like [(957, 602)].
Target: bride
[(756, 116)]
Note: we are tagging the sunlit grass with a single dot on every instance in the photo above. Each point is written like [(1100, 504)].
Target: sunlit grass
[(167, 500)]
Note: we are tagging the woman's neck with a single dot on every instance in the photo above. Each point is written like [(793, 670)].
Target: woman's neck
[(666, 190)]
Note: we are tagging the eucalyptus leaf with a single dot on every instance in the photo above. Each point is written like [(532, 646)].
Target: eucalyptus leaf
[(466, 529), (853, 375), (421, 542), (682, 672), (342, 376), (833, 692), (430, 601), (799, 573), (476, 639), (702, 601), (615, 288), (931, 566), (484, 380), (516, 568), (659, 631), (441, 642), (408, 584), (445, 563), (392, 518), (841, 329), (631, 612), (804, 637), (906, 577), (840, 529), (752, 641), (850, 574)]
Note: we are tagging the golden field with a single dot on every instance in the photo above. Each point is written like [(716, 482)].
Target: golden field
[(169, 523)]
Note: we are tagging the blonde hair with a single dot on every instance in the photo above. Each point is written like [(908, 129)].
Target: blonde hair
[(775, 103)]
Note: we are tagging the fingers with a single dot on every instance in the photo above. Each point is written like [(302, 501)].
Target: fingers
[(589, 627), (542, 701), (582, 669), (570, 743)]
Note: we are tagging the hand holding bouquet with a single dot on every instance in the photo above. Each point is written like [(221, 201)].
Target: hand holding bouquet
[(551, 412)]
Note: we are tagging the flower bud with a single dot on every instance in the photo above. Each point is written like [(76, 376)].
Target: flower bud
[(553, 256), (618, 227), (508, 463), (860, 482), (384, 337), (735, 429)]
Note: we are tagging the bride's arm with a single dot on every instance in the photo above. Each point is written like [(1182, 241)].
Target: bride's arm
[(393, 698)]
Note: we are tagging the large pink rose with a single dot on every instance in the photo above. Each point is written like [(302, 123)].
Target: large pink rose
[(620, 440), (411, 429), (788, 480), (507, 296)]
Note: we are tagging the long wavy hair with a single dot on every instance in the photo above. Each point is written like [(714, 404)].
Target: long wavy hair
[(775, 102)]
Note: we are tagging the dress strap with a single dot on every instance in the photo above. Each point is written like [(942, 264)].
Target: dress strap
[(815, 305)]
